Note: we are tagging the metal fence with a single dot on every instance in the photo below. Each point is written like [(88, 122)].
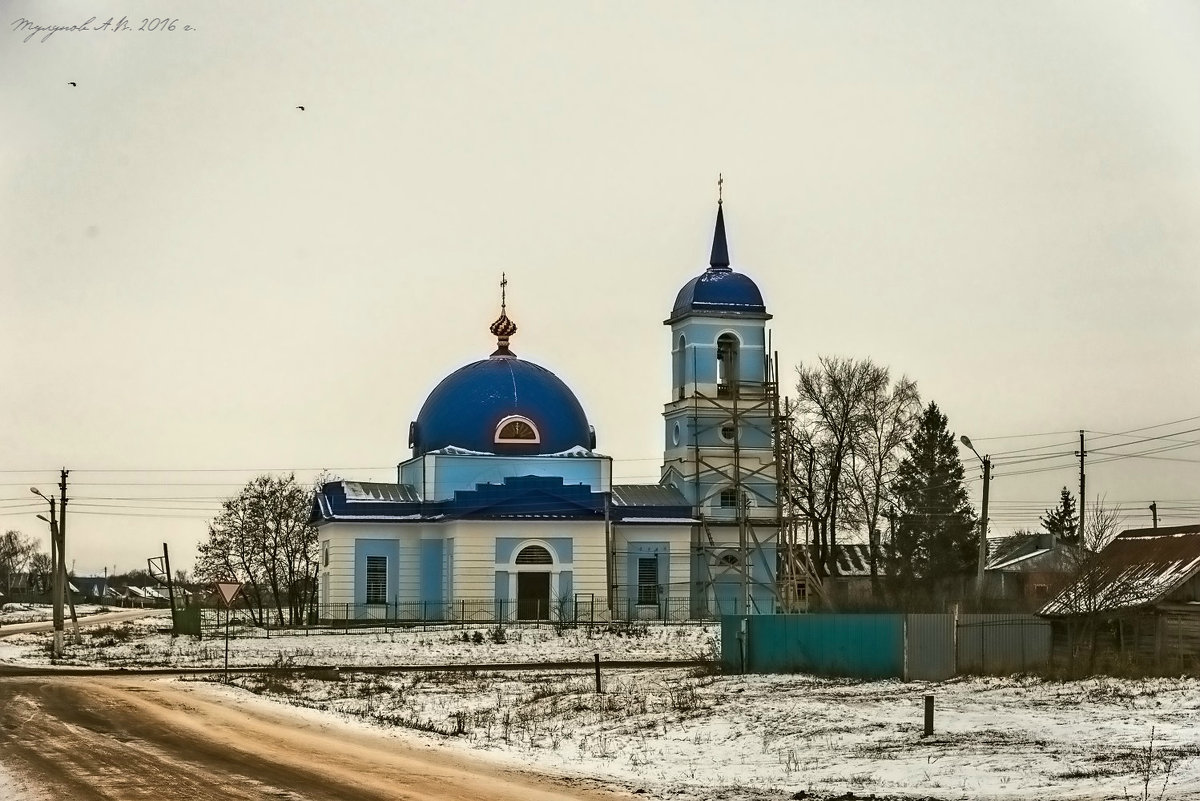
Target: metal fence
[(582, 609), (930, 647), (1002, 644)]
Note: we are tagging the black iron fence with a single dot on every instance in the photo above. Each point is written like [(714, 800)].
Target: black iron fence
[(582, 608)]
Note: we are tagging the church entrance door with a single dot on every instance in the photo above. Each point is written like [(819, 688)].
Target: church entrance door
[(533, 595)]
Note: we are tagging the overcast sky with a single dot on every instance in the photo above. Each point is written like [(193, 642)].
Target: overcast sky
[(1000, 200)]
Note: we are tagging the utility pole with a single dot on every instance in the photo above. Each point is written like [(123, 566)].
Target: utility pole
[(1081, 453), (60, 570), (983, 528), (1154, 512), (986, 461)]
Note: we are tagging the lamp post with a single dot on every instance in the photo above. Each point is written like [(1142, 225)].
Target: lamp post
[(57, 584), (986, 461)]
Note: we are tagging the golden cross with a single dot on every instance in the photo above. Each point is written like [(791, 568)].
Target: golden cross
[(720, 181), (503, 291)]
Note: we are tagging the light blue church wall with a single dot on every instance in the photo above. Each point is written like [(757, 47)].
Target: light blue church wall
[(437, 476), (562, 548), (431, 571), (705, 427), (386, 548), (697, 361)]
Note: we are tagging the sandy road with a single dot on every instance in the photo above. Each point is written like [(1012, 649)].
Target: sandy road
[(128, 739)]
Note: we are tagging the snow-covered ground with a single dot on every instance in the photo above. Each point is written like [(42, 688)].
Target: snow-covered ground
[(145, 643), (30, 613), (684, 734)]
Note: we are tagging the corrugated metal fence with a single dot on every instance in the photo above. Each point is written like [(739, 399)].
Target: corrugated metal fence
[(925, 647)]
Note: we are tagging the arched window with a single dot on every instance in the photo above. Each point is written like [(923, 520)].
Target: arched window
[(515, 428), (727, 356), (534, 555), (680, 366), (730, 560)]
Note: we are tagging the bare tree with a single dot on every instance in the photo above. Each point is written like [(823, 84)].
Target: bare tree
[(890, 416), (828, 421), (41, 569), (263, 538), (16, 550), (1101, 523)]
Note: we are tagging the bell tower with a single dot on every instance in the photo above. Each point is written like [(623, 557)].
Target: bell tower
[(720, 437)]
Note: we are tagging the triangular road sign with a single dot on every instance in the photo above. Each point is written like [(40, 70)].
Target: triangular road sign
[(228, 590)]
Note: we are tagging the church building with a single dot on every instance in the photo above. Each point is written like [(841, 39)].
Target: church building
[(505, 509)]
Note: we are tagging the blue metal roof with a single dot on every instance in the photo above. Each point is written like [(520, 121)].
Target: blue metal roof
[(465, 408), (518, 497), (719, 290)]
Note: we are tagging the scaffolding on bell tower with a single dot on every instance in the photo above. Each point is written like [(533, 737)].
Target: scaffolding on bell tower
[(748, 545)]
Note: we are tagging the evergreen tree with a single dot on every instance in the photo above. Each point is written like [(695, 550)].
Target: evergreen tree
[(1063, 520), (935, 535)]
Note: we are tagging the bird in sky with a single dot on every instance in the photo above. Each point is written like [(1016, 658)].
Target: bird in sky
[(300, 107), (70, 83)]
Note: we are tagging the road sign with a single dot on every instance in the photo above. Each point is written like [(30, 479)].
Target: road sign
[(228, 590)]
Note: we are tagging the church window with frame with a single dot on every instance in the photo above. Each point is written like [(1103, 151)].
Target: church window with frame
[(534, 555), (515, 428), (729, 498), (647, 580), (376, 579)]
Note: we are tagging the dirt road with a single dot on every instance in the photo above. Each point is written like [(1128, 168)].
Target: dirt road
[(89, 620), (128, 739)]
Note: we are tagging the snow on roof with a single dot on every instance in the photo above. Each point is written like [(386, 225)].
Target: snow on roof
[(454, 450), (853, 559), (1141, 567), (1015, 559), (358, 491)]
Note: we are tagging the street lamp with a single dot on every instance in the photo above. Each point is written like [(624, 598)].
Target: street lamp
[(986, 461), (56, 550)]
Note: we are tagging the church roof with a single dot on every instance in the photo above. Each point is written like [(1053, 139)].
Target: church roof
[(472, 407), (719, 290), (530, 497), (646, 495)]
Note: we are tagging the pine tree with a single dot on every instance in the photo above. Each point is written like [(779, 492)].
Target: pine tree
[(1063, 520), (935, 535)]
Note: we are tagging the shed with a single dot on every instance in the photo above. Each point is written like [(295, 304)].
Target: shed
[(1136, 601)]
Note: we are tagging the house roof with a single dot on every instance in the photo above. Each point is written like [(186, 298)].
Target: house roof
[(1140, 568), (853, 559), (1033, 553)]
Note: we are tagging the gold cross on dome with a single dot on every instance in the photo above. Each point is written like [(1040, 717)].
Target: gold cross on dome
[(503, 292)]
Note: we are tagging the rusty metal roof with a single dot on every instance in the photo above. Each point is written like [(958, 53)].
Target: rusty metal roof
[(1140, 568)]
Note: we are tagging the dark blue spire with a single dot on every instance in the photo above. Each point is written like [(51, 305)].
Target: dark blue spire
[(719, 260)]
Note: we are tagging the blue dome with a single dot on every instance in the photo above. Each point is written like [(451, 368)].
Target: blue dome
[(467, 408), (718, 290)]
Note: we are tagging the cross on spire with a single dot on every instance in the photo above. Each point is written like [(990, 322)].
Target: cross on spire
[(503, 328), (720, 187)]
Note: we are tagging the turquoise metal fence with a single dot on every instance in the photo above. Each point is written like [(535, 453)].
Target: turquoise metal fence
[(868, 646)]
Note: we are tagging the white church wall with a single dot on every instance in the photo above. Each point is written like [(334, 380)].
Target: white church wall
[(474, 567)]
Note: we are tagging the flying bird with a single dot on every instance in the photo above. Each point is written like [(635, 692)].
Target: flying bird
[(70, 83), (300, 107)]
